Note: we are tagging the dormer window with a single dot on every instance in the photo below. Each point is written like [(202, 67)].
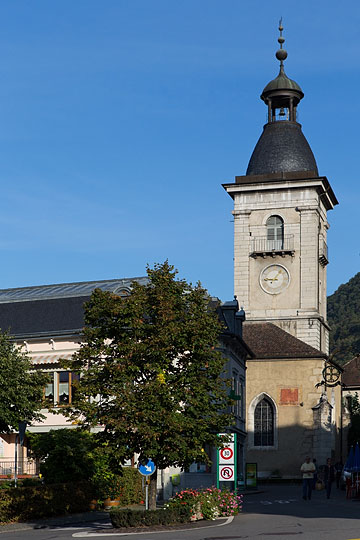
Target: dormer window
[(275, 233)]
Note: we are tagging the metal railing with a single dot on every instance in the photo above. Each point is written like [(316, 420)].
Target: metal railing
[(261, 244), (323, 252), (24, 466)]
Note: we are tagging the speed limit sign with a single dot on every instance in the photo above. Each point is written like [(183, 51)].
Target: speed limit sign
[(226, 454)]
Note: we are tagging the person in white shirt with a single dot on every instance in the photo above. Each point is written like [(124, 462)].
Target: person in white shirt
[(307, 469)]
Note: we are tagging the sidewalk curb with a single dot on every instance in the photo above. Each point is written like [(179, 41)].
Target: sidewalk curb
[(86, 534)]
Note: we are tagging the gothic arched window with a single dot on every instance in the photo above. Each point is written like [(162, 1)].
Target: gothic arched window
[(264, 423), (275, 232)]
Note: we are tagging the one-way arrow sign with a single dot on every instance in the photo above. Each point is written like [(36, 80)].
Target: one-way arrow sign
[(147, 469)]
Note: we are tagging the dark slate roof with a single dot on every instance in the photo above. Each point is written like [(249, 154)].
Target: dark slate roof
[(351, 374), (266, 340), (52, 309), (43, 317), (282, 147)]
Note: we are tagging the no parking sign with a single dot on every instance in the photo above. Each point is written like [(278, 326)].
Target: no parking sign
[(226, 473), (226, 461)]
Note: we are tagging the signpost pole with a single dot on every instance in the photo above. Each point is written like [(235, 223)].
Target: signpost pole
[(147, 469), (235, 465), (146, 493), (16, 460)]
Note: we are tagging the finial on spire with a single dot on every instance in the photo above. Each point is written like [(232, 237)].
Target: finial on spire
[(281, 53)]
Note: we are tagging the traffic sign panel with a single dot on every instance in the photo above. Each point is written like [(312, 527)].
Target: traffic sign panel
[(221, 435), (226, 454), (226, 473), (147, 469)]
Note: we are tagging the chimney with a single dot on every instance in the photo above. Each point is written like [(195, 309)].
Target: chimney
[(239, 319)]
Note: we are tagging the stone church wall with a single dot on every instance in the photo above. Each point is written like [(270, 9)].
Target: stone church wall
[(302, 427)]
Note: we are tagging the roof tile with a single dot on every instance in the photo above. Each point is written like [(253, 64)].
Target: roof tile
[(351, 375), (267, 340)]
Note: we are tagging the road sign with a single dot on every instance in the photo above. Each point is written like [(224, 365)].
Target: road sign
[(226, 473), (226, 461), (232, 435), (226, 454), (147, 469)]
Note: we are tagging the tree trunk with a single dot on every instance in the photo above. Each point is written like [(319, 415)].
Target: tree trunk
[(152, 491)]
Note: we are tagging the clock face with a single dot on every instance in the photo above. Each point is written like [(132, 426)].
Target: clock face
[(274, 278)]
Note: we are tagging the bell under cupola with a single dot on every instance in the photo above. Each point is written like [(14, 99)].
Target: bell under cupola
[(282, 146)]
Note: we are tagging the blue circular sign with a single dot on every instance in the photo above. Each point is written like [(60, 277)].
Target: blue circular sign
[(147, 469)]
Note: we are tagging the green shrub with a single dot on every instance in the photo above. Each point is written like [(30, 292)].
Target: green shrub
[(6, 484), (22, 503), (130, 487), (123, 518), (75, 455), (126, 487), (67, 454), (27, 482)]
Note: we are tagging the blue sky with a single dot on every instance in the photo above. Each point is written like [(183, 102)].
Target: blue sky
[(120, 120)]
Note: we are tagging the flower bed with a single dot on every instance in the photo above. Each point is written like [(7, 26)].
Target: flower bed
[(207, 503)]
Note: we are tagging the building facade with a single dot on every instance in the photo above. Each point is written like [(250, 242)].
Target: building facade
[(280, 259), (47, 323)]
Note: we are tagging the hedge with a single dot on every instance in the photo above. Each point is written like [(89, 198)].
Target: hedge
[(126, 487), (22, 503), (127, 517)]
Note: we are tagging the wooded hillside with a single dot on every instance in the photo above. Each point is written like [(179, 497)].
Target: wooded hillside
[(344, 320)]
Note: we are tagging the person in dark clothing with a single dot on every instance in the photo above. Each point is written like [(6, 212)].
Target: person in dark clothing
[(329, 476), (338, 469)]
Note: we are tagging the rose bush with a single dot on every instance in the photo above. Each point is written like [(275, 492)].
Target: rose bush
[(207, 503)]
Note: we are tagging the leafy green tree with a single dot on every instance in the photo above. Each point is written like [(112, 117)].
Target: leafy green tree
[(21, 389), (151, 374)]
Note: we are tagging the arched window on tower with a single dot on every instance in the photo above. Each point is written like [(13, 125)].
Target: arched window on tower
[(264, 423), (275, 233)]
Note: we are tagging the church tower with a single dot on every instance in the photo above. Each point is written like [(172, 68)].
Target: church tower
[(280, 222)]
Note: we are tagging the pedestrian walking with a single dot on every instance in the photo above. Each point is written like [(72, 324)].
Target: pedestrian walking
[(329, 476), (307, 469), (338, 470)]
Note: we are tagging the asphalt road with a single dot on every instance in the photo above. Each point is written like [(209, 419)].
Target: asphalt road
[(279, 512)]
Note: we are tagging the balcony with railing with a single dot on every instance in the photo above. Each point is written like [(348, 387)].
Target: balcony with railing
[(25, 467), (261, 246)]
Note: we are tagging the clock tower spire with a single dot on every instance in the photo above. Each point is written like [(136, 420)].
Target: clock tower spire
[(280, 221)]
